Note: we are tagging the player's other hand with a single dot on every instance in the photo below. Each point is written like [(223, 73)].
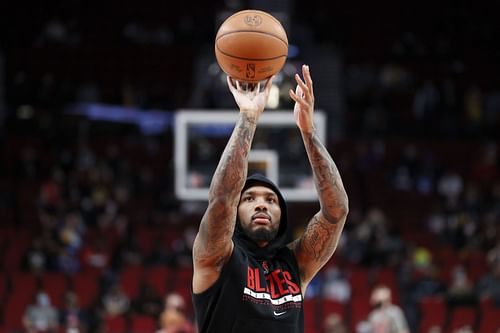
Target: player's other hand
[(248, 96), (304, 101)]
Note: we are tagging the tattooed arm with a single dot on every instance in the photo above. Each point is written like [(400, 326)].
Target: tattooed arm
[(315, 247), (213, 244)]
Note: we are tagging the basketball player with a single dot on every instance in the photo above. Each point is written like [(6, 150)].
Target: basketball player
[(246, 279)]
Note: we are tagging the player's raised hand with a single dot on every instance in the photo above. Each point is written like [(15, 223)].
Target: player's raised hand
[(304, 101), (249, 97)]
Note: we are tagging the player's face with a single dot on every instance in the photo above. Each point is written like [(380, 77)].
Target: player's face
[(259, 213)]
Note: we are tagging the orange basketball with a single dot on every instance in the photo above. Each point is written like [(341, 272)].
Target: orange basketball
[(251, 45)]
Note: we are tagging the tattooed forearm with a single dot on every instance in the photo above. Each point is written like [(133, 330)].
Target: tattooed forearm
[(320, 239), (316, 246), (231, 171), (332, 195), (316, 241), (217, 225)]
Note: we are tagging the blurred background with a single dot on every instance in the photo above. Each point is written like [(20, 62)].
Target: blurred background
[(92, 236)]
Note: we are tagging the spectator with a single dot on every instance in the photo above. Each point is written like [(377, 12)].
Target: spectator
[(95, 255), (160, 254), (315, 287), (493, 255), (422, 260), (336, 286), (173, 318), (406, 168), (115, 301), (386, 317), (147, 303), (36, 259), (426, 283), (435, 329), (426, 104), (485, 169), (127, 253), (67, 261), (41, 317), (334, 323), (489, 284), (460, 290), (182, 248), (72, 230), (450, 186), (50, 196), (72, 317)]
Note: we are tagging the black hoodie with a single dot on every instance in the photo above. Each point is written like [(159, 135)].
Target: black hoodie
[(258, 288)]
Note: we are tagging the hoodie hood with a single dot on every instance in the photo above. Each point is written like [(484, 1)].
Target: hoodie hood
[(241, 239)]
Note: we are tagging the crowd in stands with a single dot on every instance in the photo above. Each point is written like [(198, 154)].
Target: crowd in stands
[(92, 224)]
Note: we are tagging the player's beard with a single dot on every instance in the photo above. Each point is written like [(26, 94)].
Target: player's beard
[(261, 234)]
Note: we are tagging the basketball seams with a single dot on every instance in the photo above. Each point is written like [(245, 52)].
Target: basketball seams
[(251, 59), (252, 31)]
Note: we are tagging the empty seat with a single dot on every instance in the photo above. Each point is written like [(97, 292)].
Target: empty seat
[(329, 306), (86, 287), (115, 324), (359, 279), (310, 319), (129, 280), (143, 324), (461, 317), (359, 311), (145, 237), (490, 321), (23, 284), (13, 312), (476, 265), (55, 284), (156, 277), (3, 287), (432, 312), (14, 253)]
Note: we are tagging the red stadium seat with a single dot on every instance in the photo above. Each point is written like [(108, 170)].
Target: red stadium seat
[(143, 324), (86, 287), (145, 239), (55, 284), (310, 319), (23, 284), (13, 312), (157, 278), (359, 310), (14, 253), (3, 287), (115, 324), (359, 279), (433, 312), (330, 306), (490, 321), (462, 317), (181, 283), (129, 280), (486, 304), (476, 265)]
